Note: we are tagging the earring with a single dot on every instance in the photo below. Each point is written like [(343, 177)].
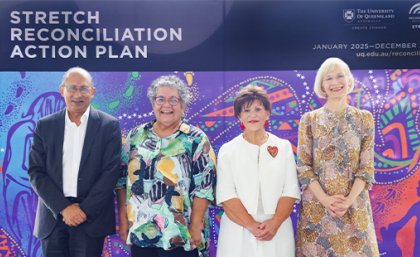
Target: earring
[(266, 124), (242, 126)]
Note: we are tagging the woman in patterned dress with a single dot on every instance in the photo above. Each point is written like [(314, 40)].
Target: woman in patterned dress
[(168, 176), (335, 170)]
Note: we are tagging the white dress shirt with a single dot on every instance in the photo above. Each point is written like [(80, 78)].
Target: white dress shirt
[(74, 138)]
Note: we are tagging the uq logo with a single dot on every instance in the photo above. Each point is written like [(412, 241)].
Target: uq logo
[(415, 9), (349, 15), (414, 16)]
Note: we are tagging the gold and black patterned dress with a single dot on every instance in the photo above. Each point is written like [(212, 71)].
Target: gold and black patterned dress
[(335, 149)]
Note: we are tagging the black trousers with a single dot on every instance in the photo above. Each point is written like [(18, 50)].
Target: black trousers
[(159, 252), (67, 241)]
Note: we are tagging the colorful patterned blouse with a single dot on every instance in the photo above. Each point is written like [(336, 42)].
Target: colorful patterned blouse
[(162, 176), (335, 149)]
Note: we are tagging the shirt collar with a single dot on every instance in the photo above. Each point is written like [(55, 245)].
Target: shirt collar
[(83, 119)]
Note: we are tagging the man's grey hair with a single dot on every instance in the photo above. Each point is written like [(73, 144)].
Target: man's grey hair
[(77, 70), (170, 81)]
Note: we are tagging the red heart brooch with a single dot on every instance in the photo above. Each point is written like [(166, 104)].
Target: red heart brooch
[(273, 150)]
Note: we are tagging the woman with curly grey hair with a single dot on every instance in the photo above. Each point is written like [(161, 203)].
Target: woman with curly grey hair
[(168, 175)]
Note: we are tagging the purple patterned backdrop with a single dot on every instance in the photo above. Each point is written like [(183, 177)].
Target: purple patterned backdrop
[(391, 95)]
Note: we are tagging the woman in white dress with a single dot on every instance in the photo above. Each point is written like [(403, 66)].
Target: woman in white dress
[(257, 185)]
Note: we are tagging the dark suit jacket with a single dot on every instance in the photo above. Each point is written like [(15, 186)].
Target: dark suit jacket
[(98, 172)]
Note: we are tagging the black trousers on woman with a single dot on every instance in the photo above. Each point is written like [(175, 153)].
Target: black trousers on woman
[(159, 252)]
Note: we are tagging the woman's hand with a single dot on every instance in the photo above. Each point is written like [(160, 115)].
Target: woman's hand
[(195, 232), (341, 207), (255, 228), (122, 214), (333, 204), (123, 229), (269, 229)]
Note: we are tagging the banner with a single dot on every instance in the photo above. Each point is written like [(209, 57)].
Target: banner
[(207, 35), (217, 47)]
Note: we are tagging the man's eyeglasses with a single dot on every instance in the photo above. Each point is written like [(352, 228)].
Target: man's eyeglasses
[(160, 100), (84, 90)]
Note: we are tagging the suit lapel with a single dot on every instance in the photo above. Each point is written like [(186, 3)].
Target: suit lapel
[(59, 140), (92, 127)]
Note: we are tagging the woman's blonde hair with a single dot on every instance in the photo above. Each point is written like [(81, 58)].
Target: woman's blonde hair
[(327, 66)]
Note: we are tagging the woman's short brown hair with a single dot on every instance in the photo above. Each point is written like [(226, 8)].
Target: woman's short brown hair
[(247, 96)]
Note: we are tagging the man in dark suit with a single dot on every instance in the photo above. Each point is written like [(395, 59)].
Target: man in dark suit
[(73, 167)]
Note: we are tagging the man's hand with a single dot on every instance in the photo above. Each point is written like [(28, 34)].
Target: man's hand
[(73, 215)]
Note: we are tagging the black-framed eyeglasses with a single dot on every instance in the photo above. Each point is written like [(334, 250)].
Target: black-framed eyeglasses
[(173, 100), (84, 90)]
